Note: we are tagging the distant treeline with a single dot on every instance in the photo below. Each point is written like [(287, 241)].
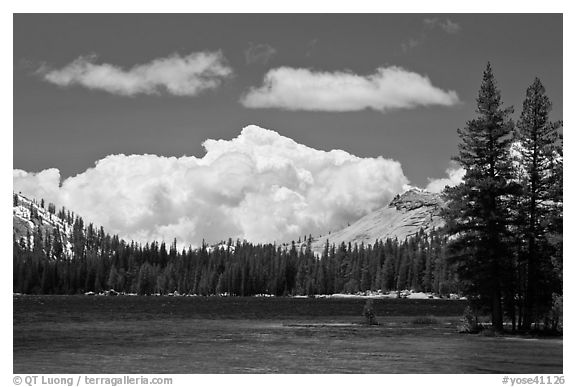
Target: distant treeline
[(100, 262)]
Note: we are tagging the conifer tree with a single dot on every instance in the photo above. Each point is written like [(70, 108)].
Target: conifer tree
[(539, 157), (477, 213)]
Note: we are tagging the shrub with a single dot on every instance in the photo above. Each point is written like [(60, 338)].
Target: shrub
[(469, 322), (554, 320), (369, 314)]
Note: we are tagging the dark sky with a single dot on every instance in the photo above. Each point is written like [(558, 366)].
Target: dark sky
[(71, 128)]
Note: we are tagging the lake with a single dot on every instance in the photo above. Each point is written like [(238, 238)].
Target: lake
[(96, 334)]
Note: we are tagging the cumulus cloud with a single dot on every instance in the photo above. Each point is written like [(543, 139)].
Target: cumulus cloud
[(177, 75), (454, 177), (260, 186), (388, 88), (446, 25), (259, 53), (44, 184)]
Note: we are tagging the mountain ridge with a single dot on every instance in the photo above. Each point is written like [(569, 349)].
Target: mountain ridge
[(402, 218), (30, 218)]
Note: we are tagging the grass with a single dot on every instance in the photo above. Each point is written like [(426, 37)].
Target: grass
[(427, 320)]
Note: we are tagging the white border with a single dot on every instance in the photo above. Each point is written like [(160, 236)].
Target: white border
[(299, 6)]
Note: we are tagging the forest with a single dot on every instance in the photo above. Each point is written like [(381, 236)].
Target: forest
[(100, 262)]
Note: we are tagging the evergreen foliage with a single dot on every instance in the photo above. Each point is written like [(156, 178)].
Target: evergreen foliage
[(478, 211), (99, 262), (539, 208), (505, 218)]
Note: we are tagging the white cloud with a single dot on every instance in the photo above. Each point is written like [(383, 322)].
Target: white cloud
[(260, 186), (388, 88), (177, 75), (455, 176), (446, 25), (259, 53), (44, 184), (410, 44)]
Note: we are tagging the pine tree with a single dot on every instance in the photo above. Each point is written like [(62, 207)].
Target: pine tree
[(539, 149), (477, 213), (145, 281), (112, 278)]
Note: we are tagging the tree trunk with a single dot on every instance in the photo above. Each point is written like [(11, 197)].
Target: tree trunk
[(497, 322), (530, 281)]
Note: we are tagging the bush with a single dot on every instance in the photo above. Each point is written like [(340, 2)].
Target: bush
[(554, 320), (369, 314), (469, 322)]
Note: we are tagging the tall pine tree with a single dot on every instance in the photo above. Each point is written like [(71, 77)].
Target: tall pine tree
[(477, 214), (540, 152)]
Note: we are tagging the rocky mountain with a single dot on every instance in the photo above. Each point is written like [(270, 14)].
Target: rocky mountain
[(403, 217), (406, 214), (31, 219)]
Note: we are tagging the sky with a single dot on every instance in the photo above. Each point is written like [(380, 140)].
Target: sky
[(388, 90)]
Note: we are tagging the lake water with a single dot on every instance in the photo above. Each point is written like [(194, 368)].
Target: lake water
[(81, 334)]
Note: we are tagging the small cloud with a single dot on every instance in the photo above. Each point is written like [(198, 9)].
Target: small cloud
[(450, 27), (177, 75), (454, 177), (259, 53), (310, 46), (410, 44), (446, 25), (431, 22), (388, 88)]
